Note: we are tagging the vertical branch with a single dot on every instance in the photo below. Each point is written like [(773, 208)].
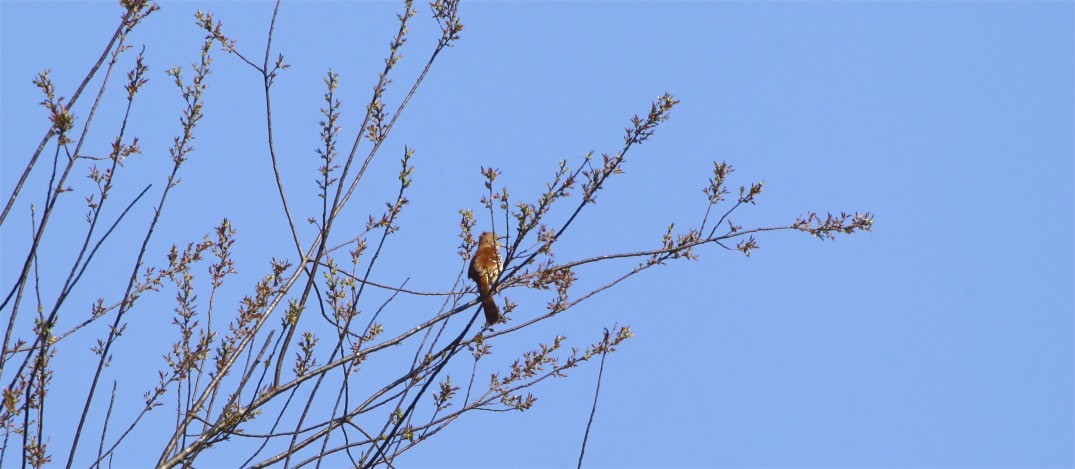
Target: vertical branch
[(268, 77), (596, 393), (104, 427)]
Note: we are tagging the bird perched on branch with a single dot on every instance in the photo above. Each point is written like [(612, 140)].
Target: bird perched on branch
[(485, 269)]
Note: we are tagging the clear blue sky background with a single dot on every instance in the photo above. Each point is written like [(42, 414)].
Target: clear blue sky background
[(944, 338)]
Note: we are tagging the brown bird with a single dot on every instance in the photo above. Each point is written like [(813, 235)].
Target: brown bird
[(485, 270)]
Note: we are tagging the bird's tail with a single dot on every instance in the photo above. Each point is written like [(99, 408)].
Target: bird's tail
[(492, 312)]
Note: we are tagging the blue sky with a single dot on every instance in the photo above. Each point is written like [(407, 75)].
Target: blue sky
[(943, 338)]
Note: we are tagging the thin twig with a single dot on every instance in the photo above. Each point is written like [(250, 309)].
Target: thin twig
[(596, 393)]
